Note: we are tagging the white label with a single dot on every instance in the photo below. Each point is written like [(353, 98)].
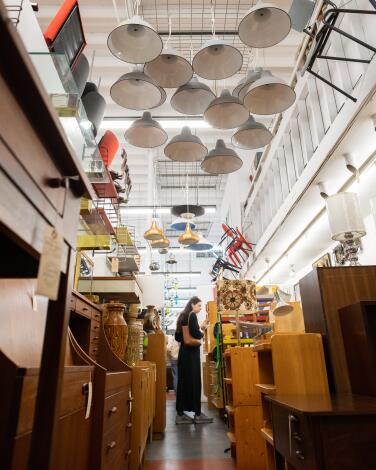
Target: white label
[(115, 265), (50, 264), (89, 399)]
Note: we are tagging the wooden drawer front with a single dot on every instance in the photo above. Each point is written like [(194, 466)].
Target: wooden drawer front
[(96, 315), (83, 308), (116, 382), (292, 437), (28, 149), (116, 411), (116, 448), (72, 302), (94, 350), (94, 332), (73, 396), (28, 396)]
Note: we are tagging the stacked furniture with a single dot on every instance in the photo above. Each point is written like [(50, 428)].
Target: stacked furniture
[(156, 353), (43, 396)]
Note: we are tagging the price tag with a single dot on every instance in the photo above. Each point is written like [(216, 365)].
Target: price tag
[(115, 265), (49, 264), (34, 301), (89, 399)]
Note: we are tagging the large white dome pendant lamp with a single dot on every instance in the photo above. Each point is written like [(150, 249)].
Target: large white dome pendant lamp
[(241, 89), (264, 25), (135, 40), (217, 60), (221, 160), (145, 133), (252, 135), (226, 112), (269, 95), (185, 147), (192, 98), (136, 90)]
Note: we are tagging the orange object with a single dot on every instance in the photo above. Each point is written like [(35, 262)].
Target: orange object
[(59, 19), (108, 146)]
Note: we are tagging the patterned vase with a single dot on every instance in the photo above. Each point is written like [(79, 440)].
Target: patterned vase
[(116, 328), (135, 334)]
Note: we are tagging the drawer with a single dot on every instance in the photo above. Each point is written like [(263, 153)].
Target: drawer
[(116, 382), (83, 308), (93, 349), (27, 404), (96, 315), (72, 302), (116, 411), (74, 397), (116, 448)]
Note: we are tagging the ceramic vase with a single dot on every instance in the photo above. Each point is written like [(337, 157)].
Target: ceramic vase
[(116, 328), (135, 335)]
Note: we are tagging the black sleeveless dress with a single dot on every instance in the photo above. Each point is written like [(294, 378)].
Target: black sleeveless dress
[(188, 395)]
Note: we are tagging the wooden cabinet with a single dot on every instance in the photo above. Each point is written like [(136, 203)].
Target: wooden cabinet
[(324, 291), (325, 433)]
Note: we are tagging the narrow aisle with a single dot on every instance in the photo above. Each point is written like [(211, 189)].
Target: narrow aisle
[(190, 447)]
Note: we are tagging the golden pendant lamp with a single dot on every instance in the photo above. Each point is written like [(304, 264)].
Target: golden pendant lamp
[(154, 232), (163, 242), (188, 237)]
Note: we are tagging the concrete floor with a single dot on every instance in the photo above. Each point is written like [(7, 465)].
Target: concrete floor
[(190, 447)]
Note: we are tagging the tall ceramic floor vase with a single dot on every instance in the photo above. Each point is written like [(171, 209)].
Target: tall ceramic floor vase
[(116, 328), (134, 336)]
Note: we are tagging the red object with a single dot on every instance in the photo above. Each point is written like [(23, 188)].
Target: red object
[(237, 246), (108, 146)]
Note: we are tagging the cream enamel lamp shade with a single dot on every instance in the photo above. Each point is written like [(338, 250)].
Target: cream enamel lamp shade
[(221, 160), (135, 41), (185, 147), (136, 90), (217, 60), (170, 69), (345, 216), (251, 135), (226, 112), (269, 95), (145, 133), (264, 25), (192, 98)]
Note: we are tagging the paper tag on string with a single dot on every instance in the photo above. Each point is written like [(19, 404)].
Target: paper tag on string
[(34, 301), (115, 265), (50, 264), (89, 399)]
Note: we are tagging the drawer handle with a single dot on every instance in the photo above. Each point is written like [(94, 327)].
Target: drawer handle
[(299, 454), (94, 350), (129, 425), (129, 452), (113, 410), (85, 309), (96, 327), (111, 445), (95, 337), (297, 437)]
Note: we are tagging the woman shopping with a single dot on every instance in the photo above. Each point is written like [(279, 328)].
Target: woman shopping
[(189, 334)]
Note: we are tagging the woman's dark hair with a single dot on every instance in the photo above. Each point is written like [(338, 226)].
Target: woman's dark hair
[(185, 313)]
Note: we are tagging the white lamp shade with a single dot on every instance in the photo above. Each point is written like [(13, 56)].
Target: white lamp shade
[(264, 25), (136, 90), (192, 98), (269, 95), (145, 133), (251, 77), (135, 41), (221, 160), (252, 135), (185, 147), (345, 216), (170, 69), (226, 112), (217, 60)]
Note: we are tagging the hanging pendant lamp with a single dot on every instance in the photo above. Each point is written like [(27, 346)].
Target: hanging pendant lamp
[(94, 105), (185, 147), (163, 251), (252, 135), (188, 237), (171, 259), (187, 211), (145, 133), (180, 224), (226, 112), (202, 245), (264, 25), (221, 160), (136, 90), (217, 60), (252, 76), (154, 232), (170, 69), (160, 243), (269, 95), (192, 98), (135, 41)]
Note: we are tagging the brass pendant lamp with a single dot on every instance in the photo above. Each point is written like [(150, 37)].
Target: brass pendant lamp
[(163, 242), (221, 160), (252, 135), (145, 133), (188, 237), (264, 25), (192, 98), (154, 232), (136, 90), (269, 95), (226, 112), (185, 147)]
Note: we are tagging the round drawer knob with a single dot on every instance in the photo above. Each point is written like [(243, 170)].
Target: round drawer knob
[(113, 410), (299, 454), (111, 445)]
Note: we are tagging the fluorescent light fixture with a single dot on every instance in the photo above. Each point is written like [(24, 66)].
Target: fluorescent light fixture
[(114, 124), (144, 210), (177, 274)]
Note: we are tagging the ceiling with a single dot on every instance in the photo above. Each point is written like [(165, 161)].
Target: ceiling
[(155, 179)]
